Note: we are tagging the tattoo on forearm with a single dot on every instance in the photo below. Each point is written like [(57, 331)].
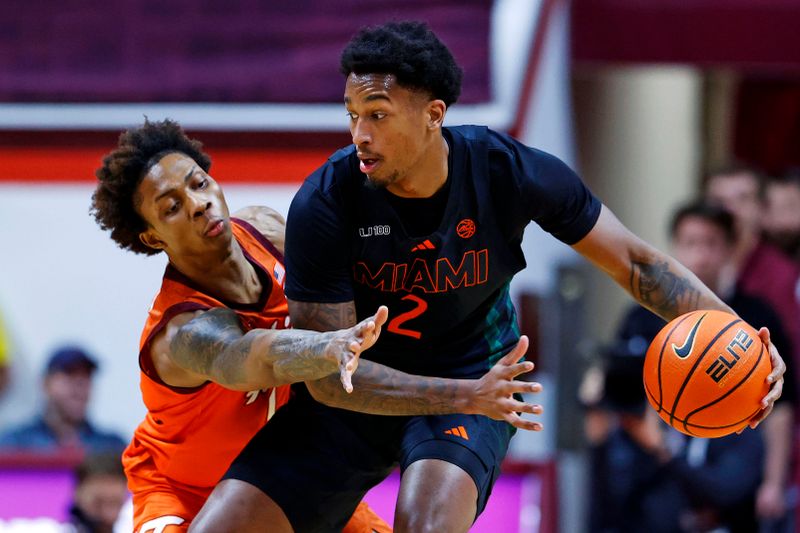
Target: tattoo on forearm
[(322, 316), (378, 389), (198, 343), (304, 355), (655, 286), (214, 344)]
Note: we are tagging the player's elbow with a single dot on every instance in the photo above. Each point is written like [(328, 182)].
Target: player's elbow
[(322, 391)]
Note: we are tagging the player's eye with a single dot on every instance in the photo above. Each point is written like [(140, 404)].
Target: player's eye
[(202, 184), (172, 208), (378, 115), (351, 116)]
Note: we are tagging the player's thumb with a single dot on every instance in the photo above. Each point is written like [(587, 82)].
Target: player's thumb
[(517, 353)]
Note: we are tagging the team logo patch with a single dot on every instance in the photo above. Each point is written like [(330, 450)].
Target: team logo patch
[(466, 228)]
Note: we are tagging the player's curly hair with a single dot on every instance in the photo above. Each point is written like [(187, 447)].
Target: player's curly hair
[(114, 199), (410, 51)]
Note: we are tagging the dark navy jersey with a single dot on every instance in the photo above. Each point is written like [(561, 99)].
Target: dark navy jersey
[(450, 313)]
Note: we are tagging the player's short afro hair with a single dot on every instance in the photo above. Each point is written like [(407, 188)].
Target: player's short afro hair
[(410, 51), (113, 201)]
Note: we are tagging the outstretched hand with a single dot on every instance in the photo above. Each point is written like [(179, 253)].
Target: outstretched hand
[(494, 392), (775, 379), (360, 337)]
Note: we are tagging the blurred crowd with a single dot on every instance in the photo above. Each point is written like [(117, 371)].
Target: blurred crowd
[(741, 237)]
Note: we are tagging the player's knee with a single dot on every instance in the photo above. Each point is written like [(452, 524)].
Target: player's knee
[(421, 522)]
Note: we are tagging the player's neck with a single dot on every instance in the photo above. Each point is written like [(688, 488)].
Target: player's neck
[(428, 175), (228, 276)]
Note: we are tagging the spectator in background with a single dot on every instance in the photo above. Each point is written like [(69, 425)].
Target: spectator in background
[(100, 492), (63, 423), (703, 239), (757, 267), (782, 215)]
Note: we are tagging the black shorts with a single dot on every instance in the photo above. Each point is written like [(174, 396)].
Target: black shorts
[(317, 462)]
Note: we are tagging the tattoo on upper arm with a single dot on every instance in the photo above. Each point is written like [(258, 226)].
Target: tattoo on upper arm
[(656, 286), (322, 316), (198, 343)]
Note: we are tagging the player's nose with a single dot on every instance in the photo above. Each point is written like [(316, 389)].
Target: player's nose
[(361, 134)]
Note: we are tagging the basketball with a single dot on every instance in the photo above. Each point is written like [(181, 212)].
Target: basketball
[(705, 373)]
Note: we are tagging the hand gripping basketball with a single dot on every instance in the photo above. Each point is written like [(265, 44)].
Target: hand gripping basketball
[(493, 395), (708, 374)]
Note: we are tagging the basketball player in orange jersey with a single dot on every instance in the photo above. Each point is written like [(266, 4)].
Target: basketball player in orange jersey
[(215, 355)]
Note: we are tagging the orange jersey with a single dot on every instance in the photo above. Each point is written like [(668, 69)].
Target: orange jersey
[(190, 436)]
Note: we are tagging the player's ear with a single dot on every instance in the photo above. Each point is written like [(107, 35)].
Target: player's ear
[(436, 111), (150, 238)]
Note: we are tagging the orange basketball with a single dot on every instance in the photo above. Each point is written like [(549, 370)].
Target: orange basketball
[(705, 373)]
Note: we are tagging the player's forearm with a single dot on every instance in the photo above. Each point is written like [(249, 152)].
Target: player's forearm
[(378, 389), (666, 287), (214, 345)]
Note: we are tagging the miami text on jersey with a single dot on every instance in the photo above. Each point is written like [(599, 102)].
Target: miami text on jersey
[(440, 276)]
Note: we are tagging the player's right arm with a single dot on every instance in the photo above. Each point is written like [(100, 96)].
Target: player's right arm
[(211, 345), (379, 389)]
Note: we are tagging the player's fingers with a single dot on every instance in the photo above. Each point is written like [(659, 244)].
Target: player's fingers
[(778, 365), (523, 407), (381, 316), (517, 369), (520, 423), (763, 334), (516, 354), (773, 394), (520, 387), (345, 376), (756, 420)]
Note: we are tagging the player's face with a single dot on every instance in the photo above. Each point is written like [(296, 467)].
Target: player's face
[(738, 194), (389, 125), (184, 208), (702, 247)]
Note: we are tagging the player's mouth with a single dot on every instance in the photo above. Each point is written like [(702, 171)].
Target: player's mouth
[(214, 228), (368, 164)]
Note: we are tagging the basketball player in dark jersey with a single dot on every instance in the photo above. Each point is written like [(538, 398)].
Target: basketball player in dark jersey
[(429, 221)]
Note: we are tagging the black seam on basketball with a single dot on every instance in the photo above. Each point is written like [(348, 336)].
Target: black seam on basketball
[(696, 364), (745, 378), (661, 358), (647, 390), (721, 427)]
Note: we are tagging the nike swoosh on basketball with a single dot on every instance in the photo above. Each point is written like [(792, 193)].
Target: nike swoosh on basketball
[(684, 350)]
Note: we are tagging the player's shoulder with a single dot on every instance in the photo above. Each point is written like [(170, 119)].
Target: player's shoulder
[(268, 222), (337, 171), (330, 186)]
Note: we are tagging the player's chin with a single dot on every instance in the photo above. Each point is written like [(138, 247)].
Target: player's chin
[(375, 182)]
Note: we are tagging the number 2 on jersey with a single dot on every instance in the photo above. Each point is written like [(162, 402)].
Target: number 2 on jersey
[(402, 318)]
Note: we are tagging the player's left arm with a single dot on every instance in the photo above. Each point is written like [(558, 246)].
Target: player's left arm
[(269, 222), (661, 284)]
